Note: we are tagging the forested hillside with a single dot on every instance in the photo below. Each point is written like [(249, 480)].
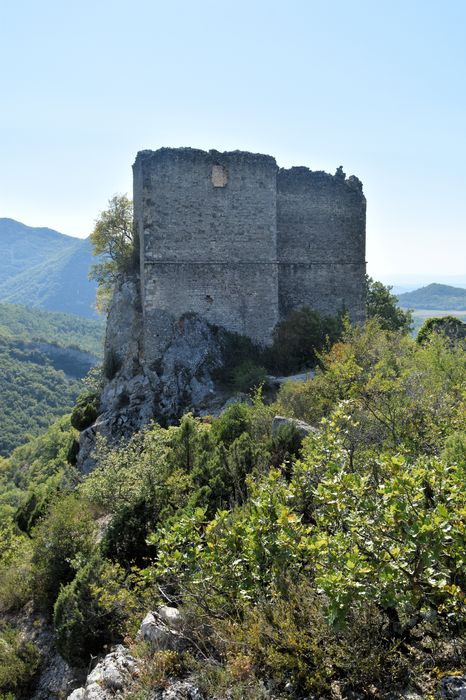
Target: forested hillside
[(43, 268), (302, 568), (43, 357), (64, 330)]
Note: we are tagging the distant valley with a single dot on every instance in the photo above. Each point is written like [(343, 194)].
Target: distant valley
[(43, 357)]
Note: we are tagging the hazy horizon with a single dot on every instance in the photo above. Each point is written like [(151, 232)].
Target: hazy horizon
[(374, 88)]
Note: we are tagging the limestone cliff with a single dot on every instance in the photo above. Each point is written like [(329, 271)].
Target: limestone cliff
[(136, 390)]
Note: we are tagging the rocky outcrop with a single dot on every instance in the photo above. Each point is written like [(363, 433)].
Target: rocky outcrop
[(180, 690), (452, 688), (111, 678), (163, 629), (301, 427), (136, 391)]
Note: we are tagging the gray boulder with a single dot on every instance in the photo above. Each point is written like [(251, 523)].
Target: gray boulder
[(452, 688), (281, 421), (181, 690), (111, 678), (163, 629)]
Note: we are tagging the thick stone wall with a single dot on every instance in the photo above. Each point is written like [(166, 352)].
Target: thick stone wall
[(207, 226), (321, 224), (234, 239)]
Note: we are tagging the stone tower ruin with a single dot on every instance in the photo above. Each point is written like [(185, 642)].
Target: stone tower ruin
[(241, 242)]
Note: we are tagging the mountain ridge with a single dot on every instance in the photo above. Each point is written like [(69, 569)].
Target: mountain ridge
[(43, 268)]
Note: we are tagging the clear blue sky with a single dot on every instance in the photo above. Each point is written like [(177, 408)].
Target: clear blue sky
[(379, 87)]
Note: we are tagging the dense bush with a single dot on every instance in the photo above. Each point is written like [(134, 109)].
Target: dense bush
[(248, 376), (317, 566), (82, 622), (382, 306), (62, 540), (85, 411), (449, 326), (299, 338), (19, 664), (297, 341)]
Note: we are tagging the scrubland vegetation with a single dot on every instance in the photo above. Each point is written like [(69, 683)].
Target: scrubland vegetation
[(301, 567)]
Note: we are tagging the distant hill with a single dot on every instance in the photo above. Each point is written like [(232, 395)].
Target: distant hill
[(441, 297), (43, 268), (63, 330), (43, 356)]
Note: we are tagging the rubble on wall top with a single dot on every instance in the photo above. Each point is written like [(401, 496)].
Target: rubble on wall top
[(212, 156)]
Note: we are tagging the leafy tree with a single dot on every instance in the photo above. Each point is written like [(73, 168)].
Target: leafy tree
[(60, 539), (449, 326), (299, 338), (19, 664), (382, 305), (114, 239), (82, 622)]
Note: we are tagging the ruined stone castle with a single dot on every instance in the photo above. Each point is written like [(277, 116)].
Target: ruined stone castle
[(240, 241), (237, 241)]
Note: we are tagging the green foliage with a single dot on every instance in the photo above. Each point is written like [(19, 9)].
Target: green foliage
[(298, 339), (248, 376), (15, 568), (61, 329), (82, 622), (41, 467), (32, 394), (238, 351), (451, 327), (239, 553), (231, 423), (62, 540), (19, 664), (403, 394), (317, 566), (85, 411), (382, 305), (114, 239), (125, 539)]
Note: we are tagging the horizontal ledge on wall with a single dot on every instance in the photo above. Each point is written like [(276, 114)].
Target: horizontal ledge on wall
[(252, 262)]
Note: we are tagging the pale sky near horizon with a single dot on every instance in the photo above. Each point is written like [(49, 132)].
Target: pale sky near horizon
[(377, 87)]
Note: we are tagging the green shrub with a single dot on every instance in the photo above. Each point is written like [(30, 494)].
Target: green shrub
[(248, 375), (125, 540), (60, 538), (382, 306), (231, 424), (290, 643), (286, 445), (449, 326), (15, 570), (85, 411), (83, 625), (299, 338), (19, 664)]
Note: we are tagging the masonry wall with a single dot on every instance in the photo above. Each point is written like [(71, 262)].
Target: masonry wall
[(207, 227), (321, 223)]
